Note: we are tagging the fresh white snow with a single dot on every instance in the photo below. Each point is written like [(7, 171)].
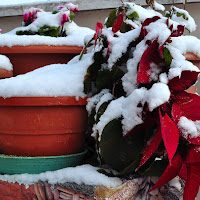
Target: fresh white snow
[(83, 174), (5, 63)]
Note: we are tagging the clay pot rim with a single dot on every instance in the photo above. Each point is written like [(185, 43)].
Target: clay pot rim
[(40, 49), (43, 101), (191, 56)]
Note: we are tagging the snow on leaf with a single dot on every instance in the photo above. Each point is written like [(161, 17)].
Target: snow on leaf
[(170, 172), (187, 79), (170, 134), (143, 32), (193, 182), (151, 55), (187, 105), (178, 32), (118, 23), (152, 147)]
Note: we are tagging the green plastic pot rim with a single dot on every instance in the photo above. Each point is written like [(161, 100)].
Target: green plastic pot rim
[(42, 157), (42, 101)]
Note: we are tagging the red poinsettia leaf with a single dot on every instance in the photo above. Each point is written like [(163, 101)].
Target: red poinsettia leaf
[(193, 182), (148, 21), (171, 27), (161, 50), (99, 27), (187, 79), (183, 172), (170, 172), (178, 32), (151, 147), (170, 134), (118, 23), (187, 105), (193, 155), (151, 55)]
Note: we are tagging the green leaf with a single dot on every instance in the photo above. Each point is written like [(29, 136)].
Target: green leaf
[(111, 18), (71, 16), (119, 151), (179, 14), (101, 110), (167, 14), (133, 15), (55, 12), (156, 168), (104, 80), (125, 28), (167, 56), (28, 32), (49, 31)]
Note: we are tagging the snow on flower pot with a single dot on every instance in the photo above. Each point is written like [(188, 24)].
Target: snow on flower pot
[(42, 126), (29, 58)]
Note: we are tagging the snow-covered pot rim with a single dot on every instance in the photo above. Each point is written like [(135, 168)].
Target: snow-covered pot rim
[(41, 49), (43, 101)]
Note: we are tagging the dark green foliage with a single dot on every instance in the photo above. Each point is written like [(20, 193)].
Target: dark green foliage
[(167, 56), (119, 151), (45, 31), (27, 32), (101, 110), (49, 31), (111, 18)]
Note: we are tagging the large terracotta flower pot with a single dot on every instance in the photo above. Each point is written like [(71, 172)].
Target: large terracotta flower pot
[(196, 61), (42, 126), (28, 58)]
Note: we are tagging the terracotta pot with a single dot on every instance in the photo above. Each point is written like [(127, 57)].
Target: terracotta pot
[(196, 61), (28, 58), (42, 126)]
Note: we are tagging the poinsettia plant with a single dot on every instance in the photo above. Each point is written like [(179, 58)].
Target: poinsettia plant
[(140, 114), (38, 22)]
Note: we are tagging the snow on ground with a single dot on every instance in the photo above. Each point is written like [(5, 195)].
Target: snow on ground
[(84, 174)]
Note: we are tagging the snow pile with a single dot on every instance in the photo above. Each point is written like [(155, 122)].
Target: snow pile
[(84, 174), (189, 128), (5, 63), (49, 81), (75, 37)]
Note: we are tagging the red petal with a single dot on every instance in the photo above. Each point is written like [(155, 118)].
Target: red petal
[(193, 155), (178, 32), (99, 27), (183, 172), (170, 172), (118, 23), (151, 147), (170, 135), (151, 55), (193, 182), (187, 79), (187, 105)]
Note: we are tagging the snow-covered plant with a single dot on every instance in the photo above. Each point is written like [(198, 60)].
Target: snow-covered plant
[(143, 119), (39, 22)]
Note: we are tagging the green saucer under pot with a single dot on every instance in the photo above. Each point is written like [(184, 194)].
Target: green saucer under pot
[(36, 165)]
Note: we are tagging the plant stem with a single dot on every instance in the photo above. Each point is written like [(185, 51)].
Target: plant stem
[(83, 51)]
